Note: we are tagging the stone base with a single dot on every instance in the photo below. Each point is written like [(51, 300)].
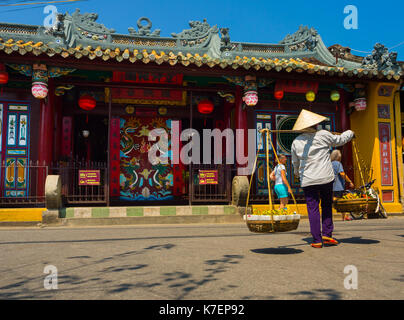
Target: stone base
[(50, 217)]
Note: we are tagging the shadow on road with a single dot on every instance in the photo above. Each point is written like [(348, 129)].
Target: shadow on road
[(353, 240), (318, 294), (277, 251)]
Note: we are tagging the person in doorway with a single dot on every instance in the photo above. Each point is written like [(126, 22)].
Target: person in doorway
[(340, 179), (312, 164), (281, 188)]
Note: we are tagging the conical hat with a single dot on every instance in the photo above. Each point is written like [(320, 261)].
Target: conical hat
[(307, 119)]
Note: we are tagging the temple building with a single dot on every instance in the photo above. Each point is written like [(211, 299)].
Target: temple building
[(79, 101)]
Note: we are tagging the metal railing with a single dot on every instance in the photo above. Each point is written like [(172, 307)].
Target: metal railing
[(218, 192), (22, 185), (74, 193)]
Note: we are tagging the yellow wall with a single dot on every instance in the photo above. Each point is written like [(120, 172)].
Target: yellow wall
[(365, 124)]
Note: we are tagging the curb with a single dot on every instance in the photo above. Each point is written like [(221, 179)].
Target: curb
[(127, 212)]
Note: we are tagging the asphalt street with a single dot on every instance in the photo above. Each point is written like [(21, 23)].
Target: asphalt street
[(215, 261)]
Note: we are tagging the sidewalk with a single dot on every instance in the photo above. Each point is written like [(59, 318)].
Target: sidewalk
[(102, 216)]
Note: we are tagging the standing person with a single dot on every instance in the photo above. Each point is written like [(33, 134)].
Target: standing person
[(340, 179), (312, 163), (282, 188)]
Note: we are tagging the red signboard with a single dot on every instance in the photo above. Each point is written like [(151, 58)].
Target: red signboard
[(148, 96), (208, 177), (385, 154), (296, 86), (89, 177)]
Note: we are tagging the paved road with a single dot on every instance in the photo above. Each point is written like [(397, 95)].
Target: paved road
[(216, 261)]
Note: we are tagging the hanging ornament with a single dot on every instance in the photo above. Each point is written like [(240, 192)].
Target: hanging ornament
[(334, 96), (310, 96), (39, 90), (205, 106), (87, 102), (250, 98), (278, 96)]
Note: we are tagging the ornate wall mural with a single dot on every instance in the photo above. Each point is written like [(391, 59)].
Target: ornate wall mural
[(139, 179)]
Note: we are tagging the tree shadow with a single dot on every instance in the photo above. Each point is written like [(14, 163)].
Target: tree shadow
[(319, 294), (277, 250), (400, 278)]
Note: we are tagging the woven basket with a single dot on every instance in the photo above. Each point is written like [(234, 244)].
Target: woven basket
[(356, 205), (265, 226)]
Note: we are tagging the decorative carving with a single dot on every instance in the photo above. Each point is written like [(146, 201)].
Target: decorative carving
[(225, 44), (303, 39), (340, 52), (84, 26), (144, 30), (199, 34), (382, 60)]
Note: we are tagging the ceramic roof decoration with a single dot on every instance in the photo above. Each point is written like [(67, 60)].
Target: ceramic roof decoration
[(81, 36)]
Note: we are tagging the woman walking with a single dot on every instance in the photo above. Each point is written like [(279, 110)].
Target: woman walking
[(340, 179), (311, 162)]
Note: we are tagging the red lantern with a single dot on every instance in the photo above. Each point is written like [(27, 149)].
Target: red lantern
[(205, 106), (3, 74), (87, 102), (278, 96)]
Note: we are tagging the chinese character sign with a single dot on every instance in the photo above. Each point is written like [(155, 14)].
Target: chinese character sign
[(385, 154)]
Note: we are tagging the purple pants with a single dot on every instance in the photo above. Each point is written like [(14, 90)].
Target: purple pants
[(313, 195)]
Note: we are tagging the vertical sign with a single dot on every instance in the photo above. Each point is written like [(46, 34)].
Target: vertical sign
[(385, 154)]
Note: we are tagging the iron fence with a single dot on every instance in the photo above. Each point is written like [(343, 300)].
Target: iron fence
[(79, 191), (211, 183)]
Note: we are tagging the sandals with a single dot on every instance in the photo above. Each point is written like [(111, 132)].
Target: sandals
[(331, 241)]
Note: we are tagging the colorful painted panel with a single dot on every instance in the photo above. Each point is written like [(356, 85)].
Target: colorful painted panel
[(11, 129), (15, 150), (141, 180), (385, 154)]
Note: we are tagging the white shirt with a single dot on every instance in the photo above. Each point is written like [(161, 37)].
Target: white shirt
[(311, 156), (278, 176)]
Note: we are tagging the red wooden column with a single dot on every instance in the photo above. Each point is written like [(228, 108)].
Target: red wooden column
[(347, 160), (241, 123), (45, 145)]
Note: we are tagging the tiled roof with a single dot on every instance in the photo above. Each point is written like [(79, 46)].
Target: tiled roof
[(160, 57)]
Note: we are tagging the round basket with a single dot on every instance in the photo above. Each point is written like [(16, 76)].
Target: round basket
[(279, 226), (356, 205)]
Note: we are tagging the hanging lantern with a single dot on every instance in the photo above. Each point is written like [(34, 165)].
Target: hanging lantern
[(162, 111), (278, 94), (87, 102), (250, 98), (310, 96), (334, 96), (3, 74), (39, 90), (360, 104), (205, 106)]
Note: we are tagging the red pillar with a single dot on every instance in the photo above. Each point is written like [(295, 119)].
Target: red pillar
[(347, 160), (45, 146), (241, 123)]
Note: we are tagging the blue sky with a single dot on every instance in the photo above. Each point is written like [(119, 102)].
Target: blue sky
[(261, 21)]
